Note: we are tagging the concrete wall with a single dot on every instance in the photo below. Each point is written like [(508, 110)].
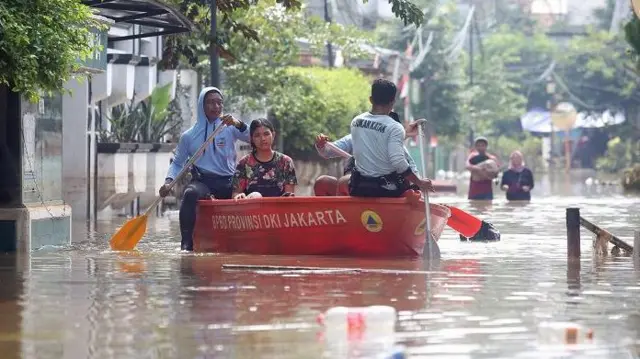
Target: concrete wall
[(188, 102), (125, 177), (74, 146)]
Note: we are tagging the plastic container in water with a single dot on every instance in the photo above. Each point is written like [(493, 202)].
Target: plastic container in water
[(564, 333), (397, 352), (359, 331), (378, 320)]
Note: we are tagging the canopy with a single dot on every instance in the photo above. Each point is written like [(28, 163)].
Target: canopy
[(147, 13), (539, 120)]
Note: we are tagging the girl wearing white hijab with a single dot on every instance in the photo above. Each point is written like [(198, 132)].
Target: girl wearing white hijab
[(517, 181)]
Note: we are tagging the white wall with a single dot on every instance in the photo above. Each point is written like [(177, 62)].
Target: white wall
[(74, 146), (189, 106)]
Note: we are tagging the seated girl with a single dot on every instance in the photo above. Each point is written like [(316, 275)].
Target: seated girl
[(264, 172)]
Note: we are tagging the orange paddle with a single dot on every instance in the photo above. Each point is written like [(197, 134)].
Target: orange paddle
[(128, 236)]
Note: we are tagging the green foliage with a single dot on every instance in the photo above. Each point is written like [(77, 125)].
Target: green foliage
[(439, 79), (530, 146), (262, 66), (147, 121), (632, 36), (192, 49), (330, 99), (597, 74), (620, 155), (122, 128), (631, 178), (302, 101), (505, 72), (41, 42), (315, 100)]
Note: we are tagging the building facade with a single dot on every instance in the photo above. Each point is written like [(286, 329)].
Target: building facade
[(48, 149)]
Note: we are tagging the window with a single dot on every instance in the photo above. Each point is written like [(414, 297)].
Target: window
[(42, 149)]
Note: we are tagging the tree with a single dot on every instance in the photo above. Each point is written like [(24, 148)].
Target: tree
[(191, 49), (41, 42), (632, 36), (317, 100), (303, 101), (596, 73), (438, 77), (506, 75)]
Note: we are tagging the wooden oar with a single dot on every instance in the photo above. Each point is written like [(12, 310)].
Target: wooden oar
[(460, 221), (433, 250), (128, 236)]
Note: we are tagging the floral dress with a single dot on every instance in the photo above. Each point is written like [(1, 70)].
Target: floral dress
[(267, 178)]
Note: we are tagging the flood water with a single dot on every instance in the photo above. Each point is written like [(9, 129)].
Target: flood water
[(480, 301)]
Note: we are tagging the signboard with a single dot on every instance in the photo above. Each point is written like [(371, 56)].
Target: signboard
[(635, 4), (98, 60), (564, 116)]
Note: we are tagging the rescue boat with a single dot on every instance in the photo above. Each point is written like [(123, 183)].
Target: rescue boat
[(336, 226)]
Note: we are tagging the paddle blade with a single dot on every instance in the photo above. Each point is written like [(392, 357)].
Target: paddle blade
[(128, 236), (431, 248), (464, 222)]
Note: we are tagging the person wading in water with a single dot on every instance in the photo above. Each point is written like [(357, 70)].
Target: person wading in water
[(484, 168), (517, 181), (212, 173)]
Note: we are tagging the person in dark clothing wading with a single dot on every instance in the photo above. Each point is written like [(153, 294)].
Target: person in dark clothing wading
[(517, 181)]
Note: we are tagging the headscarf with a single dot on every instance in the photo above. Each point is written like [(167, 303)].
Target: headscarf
[(512, 166)]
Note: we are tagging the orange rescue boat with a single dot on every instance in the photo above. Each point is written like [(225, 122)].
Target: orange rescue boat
[(339, 226)]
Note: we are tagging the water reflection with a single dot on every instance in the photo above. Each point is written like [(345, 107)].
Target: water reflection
[(11, 290), (482, 300)]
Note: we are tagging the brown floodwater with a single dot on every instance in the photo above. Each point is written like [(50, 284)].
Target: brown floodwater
[(481, 300)]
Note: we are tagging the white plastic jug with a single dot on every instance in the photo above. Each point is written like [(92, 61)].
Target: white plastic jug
[(355, 331), (563, 333)]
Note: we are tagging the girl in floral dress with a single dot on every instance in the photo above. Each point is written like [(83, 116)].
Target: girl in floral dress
[(264, 171)]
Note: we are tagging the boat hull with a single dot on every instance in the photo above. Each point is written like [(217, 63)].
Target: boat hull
[(341, 226)]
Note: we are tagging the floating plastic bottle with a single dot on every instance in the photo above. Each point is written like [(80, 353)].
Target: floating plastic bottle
[(397, 352), (564, 333), (356, 331)]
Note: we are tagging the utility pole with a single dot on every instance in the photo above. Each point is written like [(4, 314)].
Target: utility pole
[(327, 18), (471, 130), (213, 47)]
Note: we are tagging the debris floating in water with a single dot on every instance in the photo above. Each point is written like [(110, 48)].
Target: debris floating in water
[(564, 333)]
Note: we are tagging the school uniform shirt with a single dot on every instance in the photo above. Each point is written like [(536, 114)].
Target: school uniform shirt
[(346, 144), (219, 157), (378, 145)]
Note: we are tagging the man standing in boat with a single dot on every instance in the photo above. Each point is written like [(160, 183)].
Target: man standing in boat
[(381, 169), (212, 173)]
